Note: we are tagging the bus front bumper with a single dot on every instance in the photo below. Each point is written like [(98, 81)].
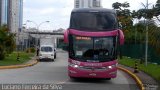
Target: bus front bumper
[(79, 73)]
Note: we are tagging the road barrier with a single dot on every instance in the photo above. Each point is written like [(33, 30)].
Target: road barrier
[(136, 78), (136, 67)]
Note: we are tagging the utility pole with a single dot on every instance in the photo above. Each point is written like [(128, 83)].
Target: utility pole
[(146, 45), (146, 37)]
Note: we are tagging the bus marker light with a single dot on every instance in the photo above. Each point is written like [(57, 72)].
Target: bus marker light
[(113, 73), (72, 71)]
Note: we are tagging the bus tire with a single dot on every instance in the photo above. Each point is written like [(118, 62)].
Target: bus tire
[(107, 78), (72, 78)]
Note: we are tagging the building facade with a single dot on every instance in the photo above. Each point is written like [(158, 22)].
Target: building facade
[(11, 14), (15, 15), (87, 3), (15, 19), (3, 12)]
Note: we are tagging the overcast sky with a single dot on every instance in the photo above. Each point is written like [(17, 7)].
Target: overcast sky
[(58, 11)]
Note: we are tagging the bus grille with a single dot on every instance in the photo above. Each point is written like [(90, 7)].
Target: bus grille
[(93, 68)]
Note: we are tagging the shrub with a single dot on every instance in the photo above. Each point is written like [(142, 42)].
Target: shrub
[(2, 53), (7, 43), (30, 50), (27, 50)]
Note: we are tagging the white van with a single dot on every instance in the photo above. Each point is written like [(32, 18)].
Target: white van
[(47, 52), (47, 48)]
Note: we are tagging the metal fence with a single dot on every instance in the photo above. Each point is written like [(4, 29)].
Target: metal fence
[(138, 51)]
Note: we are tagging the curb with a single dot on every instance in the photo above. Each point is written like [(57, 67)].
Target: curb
[(19, 66), (135, 77)]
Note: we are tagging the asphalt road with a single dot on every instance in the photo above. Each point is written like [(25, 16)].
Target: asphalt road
[(53, 76)]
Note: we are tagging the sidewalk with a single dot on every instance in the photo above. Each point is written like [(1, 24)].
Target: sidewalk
[(31, 60), (148, 82)]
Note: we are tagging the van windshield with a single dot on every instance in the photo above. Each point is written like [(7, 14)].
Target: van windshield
[(46, 49)]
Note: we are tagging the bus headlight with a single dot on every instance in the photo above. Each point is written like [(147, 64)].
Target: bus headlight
[(74, 65), (112, 66)]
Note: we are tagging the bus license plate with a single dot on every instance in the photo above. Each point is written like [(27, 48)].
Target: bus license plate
[(92, 74)]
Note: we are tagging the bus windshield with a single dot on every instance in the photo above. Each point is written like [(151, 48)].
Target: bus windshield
[(93, 21), (93, 49)]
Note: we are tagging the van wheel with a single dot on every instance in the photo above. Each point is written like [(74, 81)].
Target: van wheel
[(52, 60), (39, 60), (55, 56)]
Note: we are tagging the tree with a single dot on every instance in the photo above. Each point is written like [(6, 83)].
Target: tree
[(7, 43), (154, 37), (157, 10), (123, 13), (125, 18)]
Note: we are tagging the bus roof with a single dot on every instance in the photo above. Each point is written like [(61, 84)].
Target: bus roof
[(94, 10)]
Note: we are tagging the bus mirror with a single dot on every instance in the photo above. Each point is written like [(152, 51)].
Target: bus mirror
[(120, 25), (66, 36), (121, 37)]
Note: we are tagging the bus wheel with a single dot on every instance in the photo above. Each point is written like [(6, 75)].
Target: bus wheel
[(72, 78), (107, 78)]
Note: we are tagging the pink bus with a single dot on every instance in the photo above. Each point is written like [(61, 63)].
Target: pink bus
[(93, 38)]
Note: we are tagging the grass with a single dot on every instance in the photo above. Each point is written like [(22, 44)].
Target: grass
[(11, 59), (151, 69)]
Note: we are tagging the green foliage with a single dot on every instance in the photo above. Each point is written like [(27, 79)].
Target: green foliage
[(136, 33), (27, 50), (12, 58), (152, 69), (146, 13), (157, 8), (154, 39), (125, 18), (2, 52), (7, 43), (118, 5), (30, 50)]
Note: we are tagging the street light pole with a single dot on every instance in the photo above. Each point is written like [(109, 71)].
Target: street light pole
[(146, 42), (146, 45), (28, 41), (37, 27)]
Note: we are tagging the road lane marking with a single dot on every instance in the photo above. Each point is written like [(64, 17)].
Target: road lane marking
[(62, 82)]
